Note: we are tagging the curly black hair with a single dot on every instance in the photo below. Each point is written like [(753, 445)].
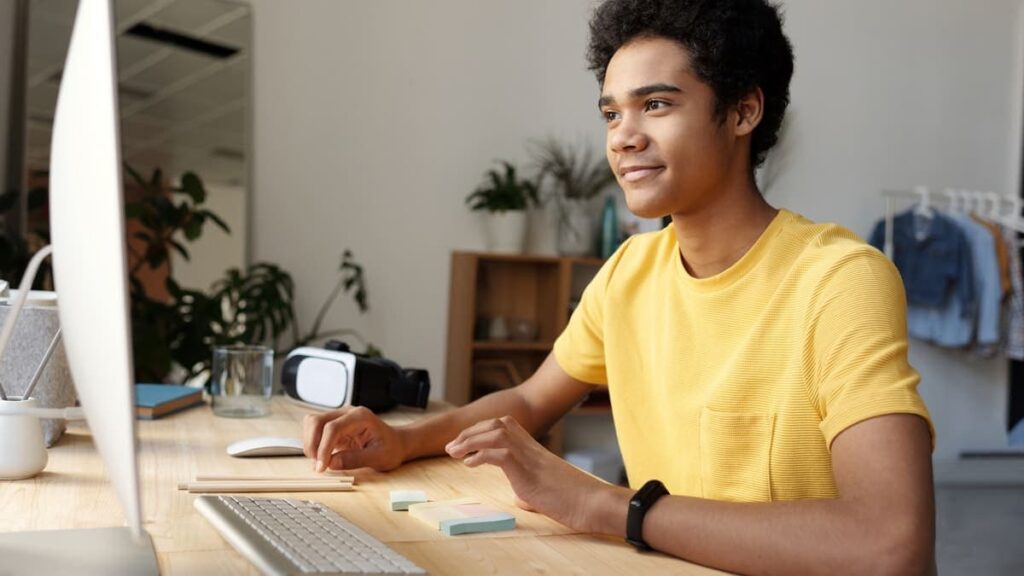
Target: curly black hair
[(734, 45)]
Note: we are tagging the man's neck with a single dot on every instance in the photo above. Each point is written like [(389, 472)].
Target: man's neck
[(717, 235)]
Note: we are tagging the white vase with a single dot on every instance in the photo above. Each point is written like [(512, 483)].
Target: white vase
[(576, 228), (506, 231)]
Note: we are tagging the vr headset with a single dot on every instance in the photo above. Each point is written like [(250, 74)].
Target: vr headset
[(334, 376)]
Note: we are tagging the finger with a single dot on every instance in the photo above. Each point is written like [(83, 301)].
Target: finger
[(338, 432), (497, 456), (514, 426), (497, 438), (478, 428), (481, 426), (341, 432), (352, 459), (524, 505), (312, 427)]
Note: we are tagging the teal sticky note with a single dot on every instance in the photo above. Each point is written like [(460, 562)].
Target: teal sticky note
[(497, 522), (401, 499)]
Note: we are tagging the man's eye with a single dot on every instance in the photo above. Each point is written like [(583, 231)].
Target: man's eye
[(655, 105), (610, 115)]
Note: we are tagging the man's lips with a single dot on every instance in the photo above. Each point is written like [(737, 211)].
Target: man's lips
[(637, 173)]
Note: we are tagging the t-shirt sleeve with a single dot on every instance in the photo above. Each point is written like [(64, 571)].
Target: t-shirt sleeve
[(579, 350), (860, 345)]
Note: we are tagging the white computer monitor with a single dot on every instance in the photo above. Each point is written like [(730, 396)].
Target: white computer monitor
[(87, 233), (90, 274)]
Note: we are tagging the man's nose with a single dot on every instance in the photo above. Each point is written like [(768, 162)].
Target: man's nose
[(627, 136)]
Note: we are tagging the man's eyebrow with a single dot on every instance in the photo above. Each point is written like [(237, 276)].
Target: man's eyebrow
[(640, 92)]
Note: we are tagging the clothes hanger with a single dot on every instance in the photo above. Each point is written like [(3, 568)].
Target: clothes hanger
[(995, 208), (966, 195), (1013, 220), (1015, 204), (924, 207), (954, 201)]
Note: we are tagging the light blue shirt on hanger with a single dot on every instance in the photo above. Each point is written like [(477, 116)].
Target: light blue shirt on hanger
[(949, 325)]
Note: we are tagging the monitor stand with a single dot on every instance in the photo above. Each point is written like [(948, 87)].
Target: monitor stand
[(90, 551)]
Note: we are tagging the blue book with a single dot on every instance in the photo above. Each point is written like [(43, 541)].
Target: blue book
[(155, 400)]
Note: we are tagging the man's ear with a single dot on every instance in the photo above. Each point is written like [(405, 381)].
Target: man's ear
[(749, 111)]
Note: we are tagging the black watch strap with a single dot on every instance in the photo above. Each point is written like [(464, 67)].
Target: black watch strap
[(641, 502)]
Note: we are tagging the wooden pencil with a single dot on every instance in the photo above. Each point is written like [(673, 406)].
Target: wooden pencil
[(266, 486), (228, 477)]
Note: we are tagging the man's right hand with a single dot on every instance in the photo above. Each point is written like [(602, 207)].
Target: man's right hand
[(351, 437)]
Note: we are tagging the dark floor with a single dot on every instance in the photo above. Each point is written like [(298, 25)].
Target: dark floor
[(980, 520)]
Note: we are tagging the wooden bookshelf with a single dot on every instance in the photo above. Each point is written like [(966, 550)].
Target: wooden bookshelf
[(511, 345), (539, 289)]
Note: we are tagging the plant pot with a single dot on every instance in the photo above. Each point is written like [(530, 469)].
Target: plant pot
[(576, 228), (506, 231)]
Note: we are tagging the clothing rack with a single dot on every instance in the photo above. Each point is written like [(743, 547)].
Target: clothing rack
[(1003, 210)]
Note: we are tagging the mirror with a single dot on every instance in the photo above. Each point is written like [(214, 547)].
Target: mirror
[(185, 100)]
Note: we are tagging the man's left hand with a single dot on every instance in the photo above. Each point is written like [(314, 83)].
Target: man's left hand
[(541, 481)]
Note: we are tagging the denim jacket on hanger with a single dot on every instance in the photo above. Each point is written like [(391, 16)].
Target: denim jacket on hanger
[(933, 263)]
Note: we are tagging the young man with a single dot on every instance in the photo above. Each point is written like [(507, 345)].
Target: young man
[(756, 361)]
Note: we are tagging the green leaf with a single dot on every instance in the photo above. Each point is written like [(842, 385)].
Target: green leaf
[(193, 186), (134, 211), (180, 249), (576, 172), (139, 180), (164, 209), (217, 220), (502, 191), (173, 288), (156, 255), (156, 181), (194, 227)]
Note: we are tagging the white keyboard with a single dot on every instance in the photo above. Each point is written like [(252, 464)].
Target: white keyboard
[(283, 536)]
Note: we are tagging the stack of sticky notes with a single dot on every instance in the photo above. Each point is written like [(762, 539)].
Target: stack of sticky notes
[(402, 499), (462, 516)]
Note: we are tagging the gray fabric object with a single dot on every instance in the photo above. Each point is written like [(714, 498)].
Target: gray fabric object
[(32, 335)]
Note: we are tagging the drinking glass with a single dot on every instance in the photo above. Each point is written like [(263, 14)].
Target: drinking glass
[(241, 381)]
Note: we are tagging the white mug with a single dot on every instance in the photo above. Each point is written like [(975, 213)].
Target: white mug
[(22, 452)]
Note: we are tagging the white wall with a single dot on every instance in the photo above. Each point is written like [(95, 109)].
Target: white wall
[(373, 121), (215, 251)]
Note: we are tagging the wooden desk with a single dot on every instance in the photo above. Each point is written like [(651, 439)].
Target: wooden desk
[(73, 492)]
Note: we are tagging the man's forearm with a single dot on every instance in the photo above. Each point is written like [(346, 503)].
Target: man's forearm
[(429, 436), (801, 537)]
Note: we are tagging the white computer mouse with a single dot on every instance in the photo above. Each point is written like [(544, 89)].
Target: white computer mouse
[(266, 446)]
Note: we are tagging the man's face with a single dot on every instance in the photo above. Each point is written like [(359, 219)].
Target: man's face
[(667, 149)]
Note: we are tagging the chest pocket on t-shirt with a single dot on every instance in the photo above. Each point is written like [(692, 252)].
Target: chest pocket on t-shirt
[(735, 452)]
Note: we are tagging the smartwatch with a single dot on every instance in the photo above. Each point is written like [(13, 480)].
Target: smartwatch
[(639, 504)]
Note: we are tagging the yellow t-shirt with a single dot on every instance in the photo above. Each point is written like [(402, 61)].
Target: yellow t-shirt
[(733, 387)]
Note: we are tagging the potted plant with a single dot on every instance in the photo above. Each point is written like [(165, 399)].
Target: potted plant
[(504, 198), (577, 176), (174, 331)]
